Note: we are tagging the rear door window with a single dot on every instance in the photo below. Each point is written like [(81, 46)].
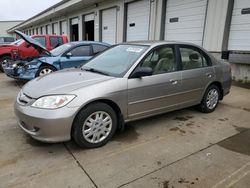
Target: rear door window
[(192, 58), (56, 41), (41, 40), (81, 51)]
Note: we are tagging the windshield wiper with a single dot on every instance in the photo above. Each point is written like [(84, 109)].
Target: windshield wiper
[(95, 71)]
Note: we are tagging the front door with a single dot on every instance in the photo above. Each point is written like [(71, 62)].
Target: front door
[(159, 92), (76, 57)]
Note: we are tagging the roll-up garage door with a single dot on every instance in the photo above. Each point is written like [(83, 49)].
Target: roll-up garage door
[(138, 14), (109, 19), (63, 28), (239, 36), (185, 20)]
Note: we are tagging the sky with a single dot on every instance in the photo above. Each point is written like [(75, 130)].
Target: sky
[(23, 9)]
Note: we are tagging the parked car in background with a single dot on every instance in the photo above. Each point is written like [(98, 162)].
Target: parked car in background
[(73, 54), (21, 50), (127, 82), (6, 40)]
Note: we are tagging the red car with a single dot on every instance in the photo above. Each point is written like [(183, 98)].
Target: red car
[(21, 50)]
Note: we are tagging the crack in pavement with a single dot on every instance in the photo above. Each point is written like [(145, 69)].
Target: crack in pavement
[(174, 162), (79, 164)]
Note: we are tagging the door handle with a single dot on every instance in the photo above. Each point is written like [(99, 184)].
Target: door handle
[(173, 81), (209, 75)]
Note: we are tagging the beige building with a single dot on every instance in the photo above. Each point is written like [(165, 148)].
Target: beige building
[(220, 26), (5, 26)]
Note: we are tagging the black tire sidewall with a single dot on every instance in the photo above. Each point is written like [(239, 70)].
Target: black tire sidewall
[(203, 105), (80, 119), (1, 60)]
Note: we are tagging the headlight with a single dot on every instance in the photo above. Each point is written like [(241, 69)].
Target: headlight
[(14, 65), (53, 102)]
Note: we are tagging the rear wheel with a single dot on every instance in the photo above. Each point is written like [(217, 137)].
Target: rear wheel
[(2, 59), (95, 125), (45, 69), (210, 99)]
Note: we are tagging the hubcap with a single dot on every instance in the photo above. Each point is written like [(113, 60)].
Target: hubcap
[(212, 98), (45, 71), (97, 127)]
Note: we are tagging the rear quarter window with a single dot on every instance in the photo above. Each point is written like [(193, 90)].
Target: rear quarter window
[(56, 41), (41, 40)]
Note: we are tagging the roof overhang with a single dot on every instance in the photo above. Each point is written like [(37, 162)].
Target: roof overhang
[(63, 8)]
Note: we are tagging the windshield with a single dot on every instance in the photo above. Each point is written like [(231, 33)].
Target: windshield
[(117, 60), (61, 49)]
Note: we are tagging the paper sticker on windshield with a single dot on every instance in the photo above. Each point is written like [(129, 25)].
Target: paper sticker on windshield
[(136, 50)]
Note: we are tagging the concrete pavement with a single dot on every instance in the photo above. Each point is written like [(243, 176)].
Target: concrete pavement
[(184, 148)]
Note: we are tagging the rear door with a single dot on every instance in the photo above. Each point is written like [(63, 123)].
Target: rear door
[(159, 92), (76, 57), (196, 73)]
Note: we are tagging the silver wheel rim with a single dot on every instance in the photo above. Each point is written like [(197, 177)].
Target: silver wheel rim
[(212, 98), (45, 71), (97, 127)]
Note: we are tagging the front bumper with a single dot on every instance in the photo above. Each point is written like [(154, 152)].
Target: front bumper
[(46, 125), (20, 73)]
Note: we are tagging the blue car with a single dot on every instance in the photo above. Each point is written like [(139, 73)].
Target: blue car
[(73, 54)]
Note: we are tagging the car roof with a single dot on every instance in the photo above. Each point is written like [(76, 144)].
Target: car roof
[(88, 42), (158, 42), (48, 35)]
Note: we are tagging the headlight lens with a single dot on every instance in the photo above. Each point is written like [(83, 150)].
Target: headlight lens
[(53, 102)]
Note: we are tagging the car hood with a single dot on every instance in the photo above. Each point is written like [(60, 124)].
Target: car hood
[(39, 47), (62, 82)]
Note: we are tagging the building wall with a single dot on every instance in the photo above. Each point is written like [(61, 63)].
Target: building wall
[(216, 30), (6, 25)]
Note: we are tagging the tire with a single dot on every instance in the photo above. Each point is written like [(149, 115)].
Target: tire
[(209, 105), (84, 122), (1, 61), (45, 69)]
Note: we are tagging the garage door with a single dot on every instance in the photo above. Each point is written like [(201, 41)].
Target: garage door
[(138, 20), (63, 28), (185, 20), (239, 37), (109, 18)]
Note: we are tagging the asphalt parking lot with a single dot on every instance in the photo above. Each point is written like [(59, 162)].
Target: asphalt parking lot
[(180, 149)]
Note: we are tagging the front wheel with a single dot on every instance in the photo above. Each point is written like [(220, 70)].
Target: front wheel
[(2, 59), (210, 99), (45, 69), (94, 126)]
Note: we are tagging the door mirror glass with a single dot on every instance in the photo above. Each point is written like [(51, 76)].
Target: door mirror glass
[(141, 72)]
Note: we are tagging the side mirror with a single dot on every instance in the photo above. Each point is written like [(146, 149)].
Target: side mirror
[(141, 72), (68, 55)]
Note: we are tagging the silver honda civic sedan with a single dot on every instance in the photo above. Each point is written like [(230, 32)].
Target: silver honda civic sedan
[(127, 82)]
